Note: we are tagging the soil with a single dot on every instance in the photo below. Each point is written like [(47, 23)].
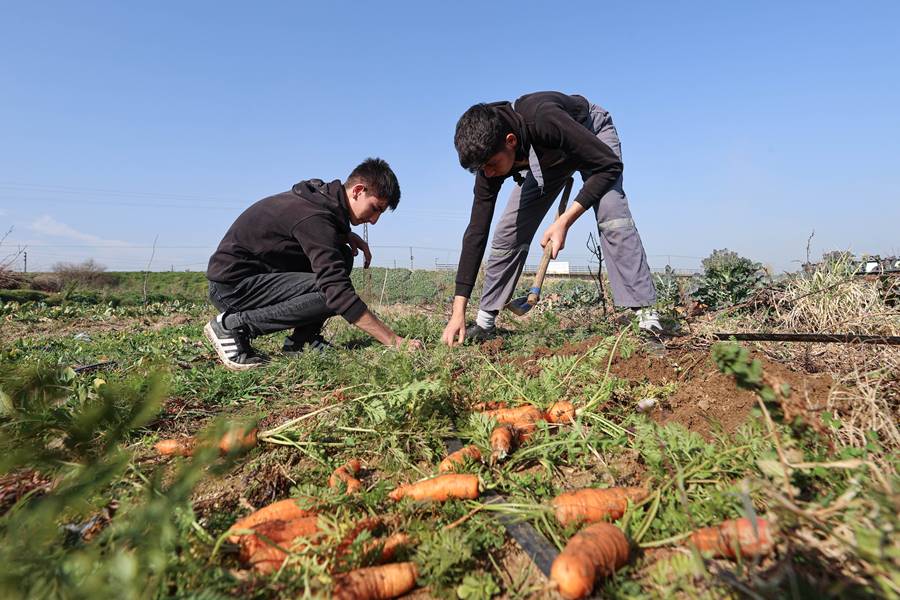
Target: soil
[(530, 364), (16, 484), (55, 328), (707, 401), (519, 573)]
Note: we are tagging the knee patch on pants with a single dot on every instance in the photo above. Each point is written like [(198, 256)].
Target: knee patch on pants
[(498, 252), (623, 223)]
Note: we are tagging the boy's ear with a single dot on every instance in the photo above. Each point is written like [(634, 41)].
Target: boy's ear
[(356, 190), (511, 141)]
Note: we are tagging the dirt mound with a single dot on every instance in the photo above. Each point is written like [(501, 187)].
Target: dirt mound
[(529, 364), (707, 401)]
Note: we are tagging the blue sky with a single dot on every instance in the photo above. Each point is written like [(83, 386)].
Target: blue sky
[(744, 125)]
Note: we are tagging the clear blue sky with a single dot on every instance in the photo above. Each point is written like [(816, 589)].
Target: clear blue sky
[(744, 124)]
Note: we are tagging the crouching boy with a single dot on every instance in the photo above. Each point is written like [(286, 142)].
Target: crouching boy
[(285, 264)]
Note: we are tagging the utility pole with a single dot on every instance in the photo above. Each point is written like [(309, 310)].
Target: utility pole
[(410, 259), (25, 256)]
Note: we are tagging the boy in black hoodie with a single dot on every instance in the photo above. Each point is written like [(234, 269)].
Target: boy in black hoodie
[(285, 264), (540, 140)]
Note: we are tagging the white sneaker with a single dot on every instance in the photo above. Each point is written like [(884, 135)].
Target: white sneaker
[(648, 320)]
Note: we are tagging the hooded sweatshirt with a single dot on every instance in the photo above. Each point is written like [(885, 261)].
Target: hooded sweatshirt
[(550, 124), (301, 230)]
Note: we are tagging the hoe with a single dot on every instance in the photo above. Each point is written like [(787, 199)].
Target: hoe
[(521, 305)]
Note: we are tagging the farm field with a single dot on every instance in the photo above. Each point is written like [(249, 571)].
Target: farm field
[(803, 437)]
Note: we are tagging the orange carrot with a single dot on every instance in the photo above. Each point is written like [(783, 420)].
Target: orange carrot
[(283, 510), (346, 474), (389, 546), (502, 439), (237, 439), (266, 549), (369, 524), (562, 411), (734, 538), (591, 504), (520, 414), (458, 458), (376, 583), (439, 489), (596, 551), (182, 447)]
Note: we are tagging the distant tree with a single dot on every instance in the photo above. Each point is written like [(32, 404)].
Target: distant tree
[(837, 256), (88, 273)]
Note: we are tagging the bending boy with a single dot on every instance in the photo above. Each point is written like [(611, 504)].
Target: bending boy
[(285, 264), (541, 140)]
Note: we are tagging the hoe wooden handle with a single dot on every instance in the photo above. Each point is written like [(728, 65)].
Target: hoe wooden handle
[(534, 294)]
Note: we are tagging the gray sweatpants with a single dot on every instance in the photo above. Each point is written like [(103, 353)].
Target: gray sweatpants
[(626, 262)]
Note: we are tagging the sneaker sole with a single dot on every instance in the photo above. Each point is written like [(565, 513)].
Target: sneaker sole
[(229, 364)]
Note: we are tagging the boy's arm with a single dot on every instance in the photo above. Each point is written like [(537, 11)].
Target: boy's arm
[(374, 326)]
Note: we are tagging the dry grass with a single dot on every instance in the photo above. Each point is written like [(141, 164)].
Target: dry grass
[(833, 300)]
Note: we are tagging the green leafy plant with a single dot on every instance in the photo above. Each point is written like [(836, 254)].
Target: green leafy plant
[(728, 279)]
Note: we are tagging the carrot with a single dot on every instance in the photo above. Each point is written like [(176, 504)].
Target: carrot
[(369, 524), (376, 583), (502, 440), (520, 414), (734, 538), (237, 439), (266, 549), (283, 510), (389, 546), (597, 550), (346, 474), (440, 488), (183, 447), (562, 411), (458, 458), (591, 504)]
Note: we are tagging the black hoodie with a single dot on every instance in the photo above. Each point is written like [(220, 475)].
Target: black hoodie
[(551, 124), (297, 231)]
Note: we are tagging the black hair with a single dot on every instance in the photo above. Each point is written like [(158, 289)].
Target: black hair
[(379, 179), (480, 134)]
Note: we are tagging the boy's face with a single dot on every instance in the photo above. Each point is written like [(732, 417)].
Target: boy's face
[(364, 207), (501, 163)]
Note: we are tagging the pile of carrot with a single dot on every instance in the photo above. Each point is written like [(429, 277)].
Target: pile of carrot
[(592, 504), (283, 510), (517, 424), (266, 549), (598, 550)]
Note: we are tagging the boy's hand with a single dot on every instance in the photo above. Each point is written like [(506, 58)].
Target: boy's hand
[(556, 234), (408, 344), (455, 331), (356, 244)]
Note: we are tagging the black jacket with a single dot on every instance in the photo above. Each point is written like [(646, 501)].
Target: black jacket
[(297, 231), (551, 124)]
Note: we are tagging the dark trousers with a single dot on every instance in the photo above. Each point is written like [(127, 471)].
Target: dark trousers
[(272, 302)]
